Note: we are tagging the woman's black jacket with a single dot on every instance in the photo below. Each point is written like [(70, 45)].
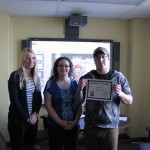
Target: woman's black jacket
[(18, 110)]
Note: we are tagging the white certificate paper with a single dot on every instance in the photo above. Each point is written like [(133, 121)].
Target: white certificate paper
[(100, 90)]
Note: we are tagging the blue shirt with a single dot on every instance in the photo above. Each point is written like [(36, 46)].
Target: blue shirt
[(62, 100)]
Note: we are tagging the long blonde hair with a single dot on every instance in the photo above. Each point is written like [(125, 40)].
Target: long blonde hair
[(22, 69)]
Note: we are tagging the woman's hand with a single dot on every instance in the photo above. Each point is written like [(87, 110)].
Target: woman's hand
[(71, 124), (67, 125), (32, 119)]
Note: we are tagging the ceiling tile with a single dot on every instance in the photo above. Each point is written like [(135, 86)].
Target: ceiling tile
[(114, 9), (126, 2)]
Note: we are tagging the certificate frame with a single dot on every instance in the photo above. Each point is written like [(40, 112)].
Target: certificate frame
[(100, 90)]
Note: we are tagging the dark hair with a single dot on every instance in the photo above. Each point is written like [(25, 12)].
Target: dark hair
[(55, 72)]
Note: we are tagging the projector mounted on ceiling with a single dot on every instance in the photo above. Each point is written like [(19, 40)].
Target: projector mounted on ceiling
[(77, 20)]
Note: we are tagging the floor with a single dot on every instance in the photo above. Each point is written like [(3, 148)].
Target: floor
[(123, 145)]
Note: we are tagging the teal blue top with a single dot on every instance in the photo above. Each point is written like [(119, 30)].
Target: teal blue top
[(62, 101)]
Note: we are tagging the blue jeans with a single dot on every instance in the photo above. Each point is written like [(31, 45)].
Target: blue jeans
[(101, 138)]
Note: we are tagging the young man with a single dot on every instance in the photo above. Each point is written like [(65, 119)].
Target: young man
[(102, 117)]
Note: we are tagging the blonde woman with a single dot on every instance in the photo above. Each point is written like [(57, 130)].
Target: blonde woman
[(25, 102)]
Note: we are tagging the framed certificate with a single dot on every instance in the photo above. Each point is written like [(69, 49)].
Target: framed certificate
[(100, 90)]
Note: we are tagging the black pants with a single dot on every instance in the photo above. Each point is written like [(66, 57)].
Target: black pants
[(60, 138), (19, 140)]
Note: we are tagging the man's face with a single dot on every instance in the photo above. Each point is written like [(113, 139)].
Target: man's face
[(101, 61)]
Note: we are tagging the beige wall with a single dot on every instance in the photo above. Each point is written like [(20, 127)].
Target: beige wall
[(133, 36), (139, 65), (4, 67)]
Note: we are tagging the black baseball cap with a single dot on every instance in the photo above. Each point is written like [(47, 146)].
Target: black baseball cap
[(100, 50)]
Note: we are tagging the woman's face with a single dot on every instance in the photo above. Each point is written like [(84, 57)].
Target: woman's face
[(29, 61), (63, 67)]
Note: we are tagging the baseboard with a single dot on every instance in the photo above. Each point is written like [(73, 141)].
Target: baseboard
[(139, 140)]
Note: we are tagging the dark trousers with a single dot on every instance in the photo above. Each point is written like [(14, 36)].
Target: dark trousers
[(60, 138), (101, 139), (18, 140)]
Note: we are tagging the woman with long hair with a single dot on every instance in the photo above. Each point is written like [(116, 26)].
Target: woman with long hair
[(25, 102), (63, 114)]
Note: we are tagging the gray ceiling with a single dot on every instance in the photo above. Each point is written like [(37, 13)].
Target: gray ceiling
[(108, 9)]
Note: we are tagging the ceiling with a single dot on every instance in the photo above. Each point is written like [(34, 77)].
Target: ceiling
[(108, 9)]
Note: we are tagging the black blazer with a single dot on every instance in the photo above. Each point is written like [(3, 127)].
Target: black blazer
[(18, 110)]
